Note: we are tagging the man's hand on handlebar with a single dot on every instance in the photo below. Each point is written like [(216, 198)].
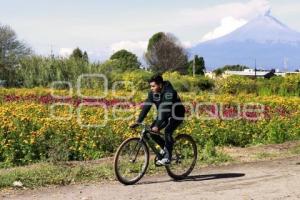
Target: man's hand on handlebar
[(154, 129), (136, 124)]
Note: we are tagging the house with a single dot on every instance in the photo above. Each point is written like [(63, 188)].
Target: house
[(211, 75), (250, 73), (258, 73), (247, 73)]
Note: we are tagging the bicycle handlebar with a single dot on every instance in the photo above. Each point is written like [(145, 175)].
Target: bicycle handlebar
[(147, 127)]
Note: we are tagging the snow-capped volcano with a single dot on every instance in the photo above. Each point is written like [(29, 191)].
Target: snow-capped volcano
[(266, 39), (264, 28)]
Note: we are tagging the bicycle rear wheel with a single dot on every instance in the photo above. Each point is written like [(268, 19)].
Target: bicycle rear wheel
[(131, 161), (184, 157)]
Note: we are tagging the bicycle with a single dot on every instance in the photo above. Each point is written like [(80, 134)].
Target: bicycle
[(132, 157)]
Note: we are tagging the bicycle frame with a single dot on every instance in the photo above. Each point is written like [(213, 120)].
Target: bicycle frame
[(146, 137), (151, 143)]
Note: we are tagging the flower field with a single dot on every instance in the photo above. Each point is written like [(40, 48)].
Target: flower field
[(37, 126)]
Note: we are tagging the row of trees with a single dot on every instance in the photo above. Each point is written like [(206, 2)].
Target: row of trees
[(164, 53), (11, 52)]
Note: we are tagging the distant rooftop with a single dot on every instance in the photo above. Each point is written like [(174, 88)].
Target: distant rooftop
[(246, 72), (260, 73)]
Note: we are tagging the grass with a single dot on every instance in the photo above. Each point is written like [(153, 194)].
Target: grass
[(295, 150), (264, 155), (47, 173), (43, 174)]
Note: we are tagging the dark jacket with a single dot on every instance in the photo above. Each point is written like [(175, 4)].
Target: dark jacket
[(164, 102)]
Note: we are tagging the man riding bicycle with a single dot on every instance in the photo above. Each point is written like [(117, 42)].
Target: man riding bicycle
[(170, 114)]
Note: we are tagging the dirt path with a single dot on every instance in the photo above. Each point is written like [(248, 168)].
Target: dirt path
[(277, 179)]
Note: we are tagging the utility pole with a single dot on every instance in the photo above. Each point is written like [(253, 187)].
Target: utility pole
[(255, 77), (255, 68), (194, 66), (51, 51), (285, 61)]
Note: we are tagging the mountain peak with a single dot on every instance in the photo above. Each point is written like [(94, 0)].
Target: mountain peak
[(264, 39), (263, 29), (268, 13)]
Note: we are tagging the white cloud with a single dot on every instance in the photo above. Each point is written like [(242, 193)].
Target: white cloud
[(140, 47), (65, 52), (187, 44), (286, 8), (137, 48), (93, 30), (228, 24), (238, 10)]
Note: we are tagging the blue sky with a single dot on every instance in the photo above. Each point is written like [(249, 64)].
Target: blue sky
[(102, 27)]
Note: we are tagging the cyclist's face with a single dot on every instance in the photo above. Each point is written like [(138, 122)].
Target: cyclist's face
[(155, 87)]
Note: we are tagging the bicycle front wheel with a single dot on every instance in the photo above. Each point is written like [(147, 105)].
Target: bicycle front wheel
[(184, 157), (131, 161)]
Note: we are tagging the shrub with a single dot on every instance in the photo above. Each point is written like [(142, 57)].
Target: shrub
[(29, 134), (185, 83), (236, 84), (277, 85), (138, 79)]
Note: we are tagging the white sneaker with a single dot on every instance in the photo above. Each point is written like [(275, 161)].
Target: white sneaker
[(163, 162)]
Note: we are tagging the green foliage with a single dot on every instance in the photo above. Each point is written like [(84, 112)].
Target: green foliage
[(154, 39), (85, 56), (28, 134), (137, 79), (271, 86), (41, 71), (77, 54), (128, 60), (185, 83), (38, 71), (277, 85), (236, 84), (242, 133), (11, 51), (291, 85), (45, 174), (199, 66), (210, 154), (209, 149)]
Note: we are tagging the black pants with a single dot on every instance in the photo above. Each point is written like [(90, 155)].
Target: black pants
[(170, 126)]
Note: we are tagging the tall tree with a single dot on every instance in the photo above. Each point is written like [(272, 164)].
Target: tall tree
[(164, 53), (11, 51), (77, 54), (199, 64), (85, 57), (128, 60)]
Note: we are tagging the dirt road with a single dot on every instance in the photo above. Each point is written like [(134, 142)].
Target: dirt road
[(277, 179)]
